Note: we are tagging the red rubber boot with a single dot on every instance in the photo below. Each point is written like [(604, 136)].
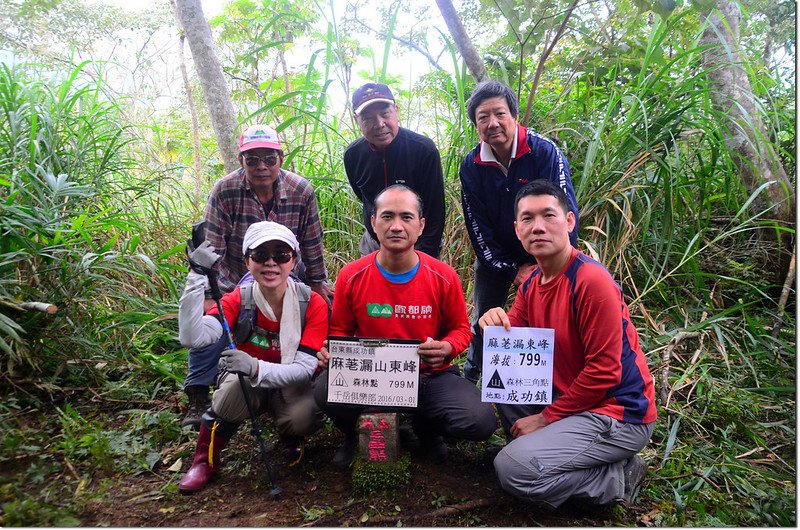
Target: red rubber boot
[(206, 461)]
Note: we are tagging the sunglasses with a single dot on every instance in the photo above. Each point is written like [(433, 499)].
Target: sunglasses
[(254, 161), (280, 257)]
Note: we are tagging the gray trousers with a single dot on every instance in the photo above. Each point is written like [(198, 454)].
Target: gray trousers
[(293, 407), (581, 456)]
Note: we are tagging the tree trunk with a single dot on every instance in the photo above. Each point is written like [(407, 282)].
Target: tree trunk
[(746, 138), (474, 62), (209, 70), (198, 166)]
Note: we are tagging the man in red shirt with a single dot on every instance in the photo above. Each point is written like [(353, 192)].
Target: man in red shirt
[(584, 444), (404, 279)]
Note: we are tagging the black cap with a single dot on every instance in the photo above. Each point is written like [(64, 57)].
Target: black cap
[(370, 93)]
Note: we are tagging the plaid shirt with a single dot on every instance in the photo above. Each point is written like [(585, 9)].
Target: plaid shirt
[(233, 206)]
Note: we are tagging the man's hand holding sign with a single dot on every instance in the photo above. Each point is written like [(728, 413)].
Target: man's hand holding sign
[(435, 353), (568, 333)]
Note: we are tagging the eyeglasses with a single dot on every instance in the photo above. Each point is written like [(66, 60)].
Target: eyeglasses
[(254, 161), (280, 257)]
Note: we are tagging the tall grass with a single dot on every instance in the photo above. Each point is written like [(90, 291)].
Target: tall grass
[(71, 235), (662, 206)]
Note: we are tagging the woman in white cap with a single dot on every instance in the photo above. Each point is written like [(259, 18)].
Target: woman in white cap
[(277, 359)]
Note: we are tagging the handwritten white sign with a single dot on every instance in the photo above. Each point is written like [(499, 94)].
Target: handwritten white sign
[(517, 365), (374, 372)]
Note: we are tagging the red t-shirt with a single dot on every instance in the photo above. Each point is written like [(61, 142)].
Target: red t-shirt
[(598, 364), (431, 304), (314, 332)]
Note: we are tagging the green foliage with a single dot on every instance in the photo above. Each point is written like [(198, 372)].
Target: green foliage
[(30, 512), (371, 477), (82, 26), (718, 401), (315, 512), (107, 449), (71, 235), (438, 501), (77, 448)]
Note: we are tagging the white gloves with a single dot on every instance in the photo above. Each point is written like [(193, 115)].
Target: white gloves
[(203, 258)]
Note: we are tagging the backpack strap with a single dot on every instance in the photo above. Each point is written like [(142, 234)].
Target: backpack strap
[(303, 297), (247, 315)]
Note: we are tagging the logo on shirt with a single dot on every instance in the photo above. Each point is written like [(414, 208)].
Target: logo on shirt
[(379, 310), (400, 311), (261, 341)]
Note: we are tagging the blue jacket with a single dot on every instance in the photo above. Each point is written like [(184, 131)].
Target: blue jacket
[(487, 196)]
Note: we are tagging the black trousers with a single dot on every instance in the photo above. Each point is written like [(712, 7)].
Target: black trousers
[(448, 405)]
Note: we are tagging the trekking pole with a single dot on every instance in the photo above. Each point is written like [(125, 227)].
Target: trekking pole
[(198, 236)]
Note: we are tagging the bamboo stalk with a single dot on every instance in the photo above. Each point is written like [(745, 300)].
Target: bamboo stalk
[(787, 286), (44, 307), (665, 359), (439, 512)]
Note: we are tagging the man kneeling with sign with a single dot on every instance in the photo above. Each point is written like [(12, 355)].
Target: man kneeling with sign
[(584, 443), (399, 293)]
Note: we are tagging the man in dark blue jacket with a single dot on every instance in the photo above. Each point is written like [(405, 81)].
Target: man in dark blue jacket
[(388, 154), (507, 157)]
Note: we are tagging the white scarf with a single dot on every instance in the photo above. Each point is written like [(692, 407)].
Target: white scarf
[(289, 326)]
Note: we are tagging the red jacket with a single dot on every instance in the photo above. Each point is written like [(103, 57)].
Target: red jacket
[(314, 332), (598, 364)]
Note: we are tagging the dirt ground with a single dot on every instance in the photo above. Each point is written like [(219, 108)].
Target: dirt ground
[(462, 491)]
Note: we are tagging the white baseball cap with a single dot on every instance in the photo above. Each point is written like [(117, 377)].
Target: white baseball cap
[(263, 231)]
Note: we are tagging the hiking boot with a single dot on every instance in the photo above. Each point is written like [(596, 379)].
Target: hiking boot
[(634, 472), (344, 455), (408, 438), (199, 401), (489, 454), (434, 447), (293, 450), (206, 462), (431, 443)]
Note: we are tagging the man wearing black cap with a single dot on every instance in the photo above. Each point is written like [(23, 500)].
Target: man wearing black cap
[(388, 154)]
